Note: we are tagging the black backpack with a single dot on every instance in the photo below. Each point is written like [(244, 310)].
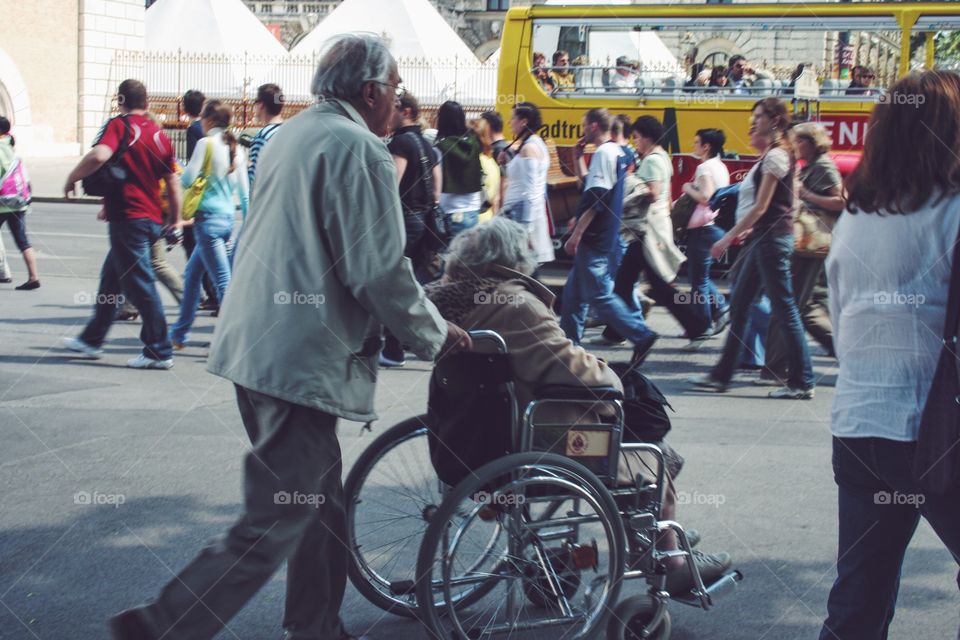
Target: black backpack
[(644, 406)]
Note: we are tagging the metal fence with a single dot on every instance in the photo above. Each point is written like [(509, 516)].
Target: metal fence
[(236, 77)]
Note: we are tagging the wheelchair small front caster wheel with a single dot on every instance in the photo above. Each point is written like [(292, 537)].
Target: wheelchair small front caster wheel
[(632, 617)]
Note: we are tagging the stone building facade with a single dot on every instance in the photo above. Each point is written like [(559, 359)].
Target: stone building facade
[(55, 64)]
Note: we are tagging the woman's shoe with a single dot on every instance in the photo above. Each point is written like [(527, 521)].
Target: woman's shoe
[(29, 285), (6, 280), (123, 316)]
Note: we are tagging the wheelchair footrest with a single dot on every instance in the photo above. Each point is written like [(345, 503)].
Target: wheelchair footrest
[(715, 590)]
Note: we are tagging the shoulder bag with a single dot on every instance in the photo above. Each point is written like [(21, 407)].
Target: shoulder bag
[(108, 180), (936, 463), (437, 235), (194, 194)]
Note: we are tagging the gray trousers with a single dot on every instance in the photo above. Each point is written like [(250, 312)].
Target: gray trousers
[(166, 274), (294, 511)]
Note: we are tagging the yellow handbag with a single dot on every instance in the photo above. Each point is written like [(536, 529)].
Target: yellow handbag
[(194, 194)]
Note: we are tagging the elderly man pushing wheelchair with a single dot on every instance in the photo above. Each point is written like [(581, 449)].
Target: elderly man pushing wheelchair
[(320, 269)]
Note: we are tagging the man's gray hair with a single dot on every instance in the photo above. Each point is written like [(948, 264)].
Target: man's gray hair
[(350, 61), (500, 241)]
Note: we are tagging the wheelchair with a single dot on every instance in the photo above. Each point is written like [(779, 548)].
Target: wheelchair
[(536, 543)]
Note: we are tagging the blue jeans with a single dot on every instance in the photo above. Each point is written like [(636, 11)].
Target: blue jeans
[(210, 256), (590, 284), (127, 270), (708, 303), (470, 219), (880, 505), (766, 266)]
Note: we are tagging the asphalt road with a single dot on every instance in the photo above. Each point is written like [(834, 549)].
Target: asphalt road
[(161, 453)]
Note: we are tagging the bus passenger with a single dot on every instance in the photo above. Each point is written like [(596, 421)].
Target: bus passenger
[(718, 77), (862, 82), (560, 74), (541, 72), (624, 79)]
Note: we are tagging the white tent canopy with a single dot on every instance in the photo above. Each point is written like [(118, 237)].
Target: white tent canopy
[(605, 46), (415, 33), (238, 51)]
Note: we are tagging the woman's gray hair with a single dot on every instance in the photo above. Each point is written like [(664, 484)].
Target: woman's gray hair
[(350, 61), (500, 241)]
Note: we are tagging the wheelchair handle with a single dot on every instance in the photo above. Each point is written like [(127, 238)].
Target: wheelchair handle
[(486, 335)]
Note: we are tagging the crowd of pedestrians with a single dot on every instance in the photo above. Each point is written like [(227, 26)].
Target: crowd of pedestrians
[(365, 248)]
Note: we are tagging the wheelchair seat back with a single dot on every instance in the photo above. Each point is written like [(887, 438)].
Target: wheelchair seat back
[(472, 413)]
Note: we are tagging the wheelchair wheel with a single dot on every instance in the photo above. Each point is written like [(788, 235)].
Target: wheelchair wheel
[(391, 494), (633, 616), (558, 569)]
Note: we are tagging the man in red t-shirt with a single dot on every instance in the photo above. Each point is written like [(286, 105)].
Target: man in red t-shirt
[(136, 220)]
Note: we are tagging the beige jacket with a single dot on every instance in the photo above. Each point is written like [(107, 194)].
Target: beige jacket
[(318, 267), (540, 353)]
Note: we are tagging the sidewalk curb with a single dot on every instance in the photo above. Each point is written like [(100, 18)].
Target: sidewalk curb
[(63, 200)]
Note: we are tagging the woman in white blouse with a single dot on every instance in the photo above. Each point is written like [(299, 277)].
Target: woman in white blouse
[(525, 198), (889, 271)]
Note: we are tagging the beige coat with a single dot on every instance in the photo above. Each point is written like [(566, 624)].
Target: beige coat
[(319, 267)]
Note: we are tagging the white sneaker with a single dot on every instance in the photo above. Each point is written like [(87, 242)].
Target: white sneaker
[(78, 345), (603, 341), (143, 362)]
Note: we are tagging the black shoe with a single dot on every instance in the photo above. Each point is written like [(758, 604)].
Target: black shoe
[(711, 566), (29, 285), (6, 280), (129, 625), (642, 349), (208, 304), (123, 316)]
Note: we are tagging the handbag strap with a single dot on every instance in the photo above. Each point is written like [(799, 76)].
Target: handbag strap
[(426, 171), (207, 160), (124, 145), (951, 328)]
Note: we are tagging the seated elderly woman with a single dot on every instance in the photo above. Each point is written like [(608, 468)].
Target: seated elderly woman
[(488, 285)]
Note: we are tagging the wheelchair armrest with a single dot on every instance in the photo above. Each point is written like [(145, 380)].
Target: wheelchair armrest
[(587, 394)]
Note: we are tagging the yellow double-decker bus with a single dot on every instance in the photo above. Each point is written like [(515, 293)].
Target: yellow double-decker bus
[(639, 60)]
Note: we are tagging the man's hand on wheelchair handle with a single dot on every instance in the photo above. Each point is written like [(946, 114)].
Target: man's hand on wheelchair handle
[(457, 340)]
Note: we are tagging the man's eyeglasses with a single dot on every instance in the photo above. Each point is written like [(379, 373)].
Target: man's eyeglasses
[(399, 90)]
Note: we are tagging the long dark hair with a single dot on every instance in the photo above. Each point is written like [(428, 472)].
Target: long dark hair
[(904, 161), (776, 110), (451, 120), (220, 115)]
